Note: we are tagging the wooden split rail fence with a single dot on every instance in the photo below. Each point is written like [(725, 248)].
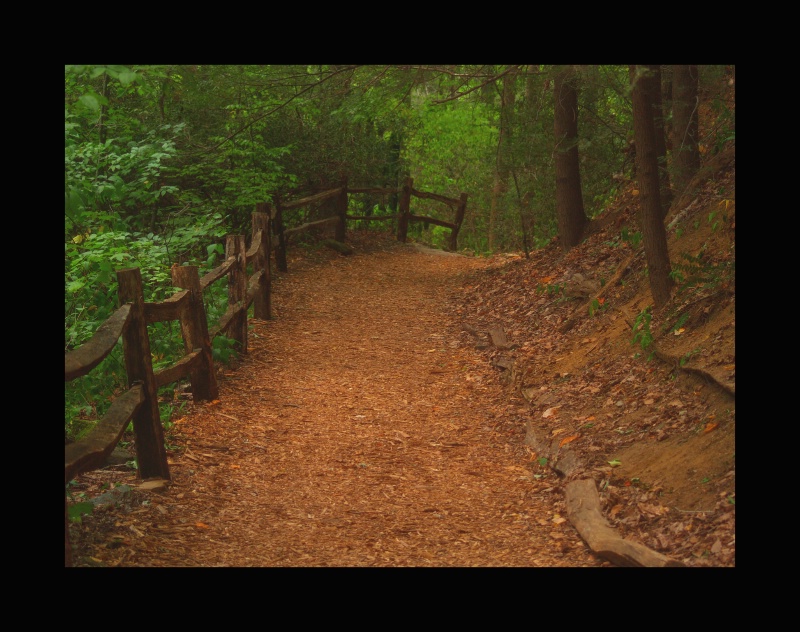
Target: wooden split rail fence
[(139, 404)]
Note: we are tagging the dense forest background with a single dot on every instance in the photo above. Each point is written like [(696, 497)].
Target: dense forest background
[(163, 161)]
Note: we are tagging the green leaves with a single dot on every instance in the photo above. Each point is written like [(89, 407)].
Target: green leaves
[(641, 328), (93, 101), (77, 511), (223, 349)]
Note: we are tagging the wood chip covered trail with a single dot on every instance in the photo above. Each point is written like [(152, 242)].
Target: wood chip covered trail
[(363, 429)]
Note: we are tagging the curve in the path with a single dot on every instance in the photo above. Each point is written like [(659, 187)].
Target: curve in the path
[(360, 431)]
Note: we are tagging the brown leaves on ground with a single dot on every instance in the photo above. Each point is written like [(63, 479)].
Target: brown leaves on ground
[(374, 423), (657, 434), (359, 431)]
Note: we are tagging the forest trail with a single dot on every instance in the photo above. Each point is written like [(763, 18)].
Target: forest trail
[(360, 430)]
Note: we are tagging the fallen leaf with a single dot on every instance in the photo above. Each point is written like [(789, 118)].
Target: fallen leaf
[(550, 412), (557, 431), (711, 425), (678, 332), (615, 463), (653, 510), (154, 485), (201, 525), (567, 440), (235, 467), (558, 519)]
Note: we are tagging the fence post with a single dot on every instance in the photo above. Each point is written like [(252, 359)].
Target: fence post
[(280, 251), (147, 429), (262, 305), (194, 328), (405, 210), (237, 289), (341, 209), (462, 207)]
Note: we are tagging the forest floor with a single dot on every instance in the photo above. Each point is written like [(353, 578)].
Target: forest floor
[(380, 419)]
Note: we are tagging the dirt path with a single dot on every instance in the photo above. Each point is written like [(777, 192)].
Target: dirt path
[(362, 430)]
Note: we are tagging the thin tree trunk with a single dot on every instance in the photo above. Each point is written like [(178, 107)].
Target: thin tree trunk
[(653, 83), (503, 150), (572, 218), (654, 234)]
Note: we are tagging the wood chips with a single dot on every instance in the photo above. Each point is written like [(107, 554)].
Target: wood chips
[(360, 430)]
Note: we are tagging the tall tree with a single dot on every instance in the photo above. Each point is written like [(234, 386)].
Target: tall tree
[(569, 197), (685, 118), (501, 171), (654, 234), (653, 85)]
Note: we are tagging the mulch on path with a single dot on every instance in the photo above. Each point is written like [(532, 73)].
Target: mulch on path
[(360, 430)]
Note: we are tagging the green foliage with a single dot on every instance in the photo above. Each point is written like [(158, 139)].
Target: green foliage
[(627, 237), (224, 349), (110, 182), (450, 148), (162, 161), (699, 272), (597, 305), (91, 297), (551, 289), (678, 323), (76, 511), (436, 236), (717, 82), (688, 356), (633, 239), (642, 335)]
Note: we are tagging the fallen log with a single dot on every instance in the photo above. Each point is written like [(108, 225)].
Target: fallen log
[(583, 510)]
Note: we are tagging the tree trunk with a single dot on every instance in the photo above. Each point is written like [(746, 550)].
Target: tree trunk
[(503, 153), (654, 234), (685, 150), (572, 218), (653, 86)]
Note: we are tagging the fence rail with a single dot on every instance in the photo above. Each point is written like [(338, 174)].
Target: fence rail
[(139, 403)]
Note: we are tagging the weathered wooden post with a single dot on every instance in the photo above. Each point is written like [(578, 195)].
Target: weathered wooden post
[(194, 328), (237, 289), (280, 251), (151, 454), (405, 210), (262, 302), (341, 209), (462, 207)]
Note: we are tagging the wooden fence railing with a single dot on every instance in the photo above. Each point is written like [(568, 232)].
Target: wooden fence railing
[(403, 215), (139, 404)]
